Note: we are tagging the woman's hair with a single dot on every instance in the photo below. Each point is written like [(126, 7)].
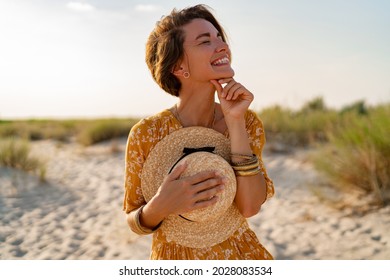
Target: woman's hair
[(164, 47)]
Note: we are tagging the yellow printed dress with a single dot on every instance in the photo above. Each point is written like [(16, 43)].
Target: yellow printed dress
[(242, 244)]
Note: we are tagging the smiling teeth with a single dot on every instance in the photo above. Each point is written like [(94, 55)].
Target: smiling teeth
[(221, 61)]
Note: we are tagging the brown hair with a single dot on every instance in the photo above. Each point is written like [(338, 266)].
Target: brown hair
[(164, 47)]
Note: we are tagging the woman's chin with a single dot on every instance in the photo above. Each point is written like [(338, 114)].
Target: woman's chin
[(225, 74)]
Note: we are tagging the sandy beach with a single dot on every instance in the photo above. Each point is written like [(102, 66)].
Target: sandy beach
[(77, 213)]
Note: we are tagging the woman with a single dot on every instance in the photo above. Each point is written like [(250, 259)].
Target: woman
[(188, 57)]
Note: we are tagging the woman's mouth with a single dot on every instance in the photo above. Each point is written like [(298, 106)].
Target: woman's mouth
[(221, 61)]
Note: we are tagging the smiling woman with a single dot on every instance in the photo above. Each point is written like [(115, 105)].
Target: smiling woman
[(174, 187)]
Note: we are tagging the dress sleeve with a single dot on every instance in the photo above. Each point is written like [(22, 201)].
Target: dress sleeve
[(142, 138), (256, 135), (135, 156)]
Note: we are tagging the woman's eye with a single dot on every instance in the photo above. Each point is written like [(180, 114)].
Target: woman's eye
[(205, 42)]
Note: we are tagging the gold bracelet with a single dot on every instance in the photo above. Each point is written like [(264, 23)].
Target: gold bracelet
[(135, 223), (252, 159), (243, 156), (248, 172), (245, 167)]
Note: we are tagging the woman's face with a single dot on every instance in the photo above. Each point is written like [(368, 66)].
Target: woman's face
[(206, 56)]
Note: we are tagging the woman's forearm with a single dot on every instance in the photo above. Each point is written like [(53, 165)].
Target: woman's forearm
[(251, 190), (145, 219)]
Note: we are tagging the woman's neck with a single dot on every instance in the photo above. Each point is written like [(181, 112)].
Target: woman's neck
[(196, 107)]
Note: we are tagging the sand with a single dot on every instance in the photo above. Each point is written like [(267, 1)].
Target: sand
[(77, 213)]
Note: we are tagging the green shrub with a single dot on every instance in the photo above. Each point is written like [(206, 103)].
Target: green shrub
[(358, 153), (316, 104), (358, 107), (36, 130), (102, 130), (299, 128), (87, 132), (15, 153)]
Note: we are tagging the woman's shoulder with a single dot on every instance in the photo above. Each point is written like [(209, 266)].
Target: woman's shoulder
[(153, 120), (155, 125)]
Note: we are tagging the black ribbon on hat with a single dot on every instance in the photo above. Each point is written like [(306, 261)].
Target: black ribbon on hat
[(186, 152)]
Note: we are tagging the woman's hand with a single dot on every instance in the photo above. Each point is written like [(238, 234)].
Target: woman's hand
[(234, 97), (180, 195)]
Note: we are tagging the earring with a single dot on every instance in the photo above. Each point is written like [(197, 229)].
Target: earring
[(186, 75)]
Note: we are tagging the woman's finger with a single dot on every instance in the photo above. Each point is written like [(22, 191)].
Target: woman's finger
[(217, 86), (205, 202), (209, 192), (233, 90), (201, 177), (177, 171), (239, 92), (208, 184), (227, 88), (225, 81)]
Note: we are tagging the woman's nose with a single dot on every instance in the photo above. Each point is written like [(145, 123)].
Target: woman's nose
[(222, 46)]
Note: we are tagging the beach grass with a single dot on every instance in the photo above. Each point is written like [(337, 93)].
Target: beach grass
[(15, 153), (299, 128), (352, 144), (358, 152), (38, 129), (17, 135), (102, 130), (85, 131)]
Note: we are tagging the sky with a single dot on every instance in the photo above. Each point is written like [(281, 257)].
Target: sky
[(85, 58)]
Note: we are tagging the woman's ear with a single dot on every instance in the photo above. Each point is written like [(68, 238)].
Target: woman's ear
[(178, 70), (180, 67)]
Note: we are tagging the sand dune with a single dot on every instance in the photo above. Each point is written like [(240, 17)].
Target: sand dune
[(77, 213)]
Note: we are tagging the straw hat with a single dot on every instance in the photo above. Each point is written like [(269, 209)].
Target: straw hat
[(203, 149)]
